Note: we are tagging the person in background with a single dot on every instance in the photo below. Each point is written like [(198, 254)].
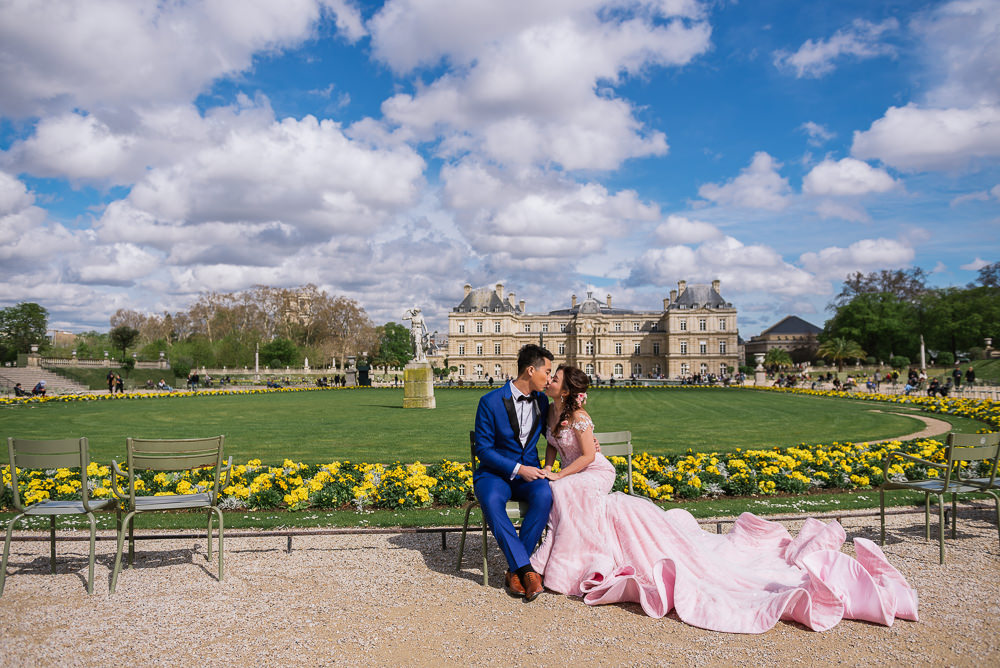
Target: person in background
[(39, 389)]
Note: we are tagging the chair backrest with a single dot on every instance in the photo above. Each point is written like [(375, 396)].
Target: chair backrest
[(49, 454), (971, 448), (174, 455), (617, 444), (472, 448)]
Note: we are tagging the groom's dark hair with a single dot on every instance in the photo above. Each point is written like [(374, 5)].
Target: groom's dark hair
[(532, 355)]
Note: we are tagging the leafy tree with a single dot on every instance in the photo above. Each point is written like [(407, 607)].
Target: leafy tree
[(839, 349), (881, 323), (989, 276), (394, 347), (904, 284), (123, 337), (21, 326), (777, 357), (279, 350)]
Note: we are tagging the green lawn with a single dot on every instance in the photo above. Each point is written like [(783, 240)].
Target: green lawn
[(370, 425)]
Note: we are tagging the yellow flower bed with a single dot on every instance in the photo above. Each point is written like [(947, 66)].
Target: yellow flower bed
[(690, 475)]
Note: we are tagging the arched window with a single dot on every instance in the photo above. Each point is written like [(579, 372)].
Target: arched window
[(704, 368), (479, 370), (590, 369), (619, 369), (497, 370), (461, 369), (637, 369), (589, 348), (685, 369)]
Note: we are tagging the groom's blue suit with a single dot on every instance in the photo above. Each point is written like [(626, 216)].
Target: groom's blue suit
[(498, 447)]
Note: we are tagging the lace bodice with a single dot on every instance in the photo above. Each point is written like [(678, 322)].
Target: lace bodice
[(567, 442)]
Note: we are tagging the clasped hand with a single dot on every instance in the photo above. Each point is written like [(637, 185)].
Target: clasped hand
[(533, 473)]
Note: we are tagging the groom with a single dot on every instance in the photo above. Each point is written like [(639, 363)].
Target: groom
[(508, 423)]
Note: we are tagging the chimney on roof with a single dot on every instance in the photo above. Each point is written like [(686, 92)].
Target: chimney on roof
[(715, 285), (666, 303), (681, 287), (572, 303), (673, 295), (500, 291), (609, 301), (522, 305), (468, 289), (510, 298)]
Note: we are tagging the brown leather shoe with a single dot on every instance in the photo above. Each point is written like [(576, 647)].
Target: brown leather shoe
[(513, 585), (532, 586)]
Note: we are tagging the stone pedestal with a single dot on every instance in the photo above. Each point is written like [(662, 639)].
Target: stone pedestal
[(352, 378), (418, 385)]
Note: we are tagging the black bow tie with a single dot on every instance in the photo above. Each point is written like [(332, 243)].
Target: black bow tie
[(524, 397)]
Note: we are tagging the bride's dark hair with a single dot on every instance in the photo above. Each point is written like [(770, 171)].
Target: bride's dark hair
[(576, 383)]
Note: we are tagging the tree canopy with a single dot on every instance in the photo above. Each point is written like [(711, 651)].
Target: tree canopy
[(21, 326), (886, 313)]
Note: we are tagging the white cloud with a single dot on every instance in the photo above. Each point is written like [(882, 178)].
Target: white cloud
[(975, 265), (526, 219), (818, 134), (995, 191), (914, 138), (961, 41), (978, 196), (847, 177), (681, 230), (839, 209), (527, 84), (836, 262), (861, 40), (117, 54), (740, 267), (348, 19), (759, 186)]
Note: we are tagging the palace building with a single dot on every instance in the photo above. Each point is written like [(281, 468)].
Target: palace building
[(694, 333)]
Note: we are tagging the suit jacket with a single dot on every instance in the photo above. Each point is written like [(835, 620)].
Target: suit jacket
[(498, 441)]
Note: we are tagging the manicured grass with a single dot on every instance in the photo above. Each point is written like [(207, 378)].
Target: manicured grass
[(429, 517), (371, 425)]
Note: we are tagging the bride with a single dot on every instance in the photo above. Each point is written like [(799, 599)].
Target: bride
[(611, 548)]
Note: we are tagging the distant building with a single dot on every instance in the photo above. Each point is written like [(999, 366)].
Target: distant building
[(694, 333), (60, 339), (792, 334)]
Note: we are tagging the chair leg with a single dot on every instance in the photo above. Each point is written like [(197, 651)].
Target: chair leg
[(209, 557), (486, 566), (881, 501), (221, 551), (52, 543), (93, 538), (118, 553), (6, 551), (996, 502), (927, 516), (461, 543), (954, 514), (131, 539), (941, 525)]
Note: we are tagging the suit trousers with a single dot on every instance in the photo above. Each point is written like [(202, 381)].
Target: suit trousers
[(494, 492)]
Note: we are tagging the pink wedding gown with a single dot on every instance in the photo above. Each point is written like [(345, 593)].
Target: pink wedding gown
[(612, 548)]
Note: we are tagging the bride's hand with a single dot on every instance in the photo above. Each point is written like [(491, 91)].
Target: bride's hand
[(551, 475)]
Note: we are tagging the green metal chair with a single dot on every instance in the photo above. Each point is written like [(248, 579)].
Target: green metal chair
[(170, 455), (612, 443), (51, 454), (960, 448)]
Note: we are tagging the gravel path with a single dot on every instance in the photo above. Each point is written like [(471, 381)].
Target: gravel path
[(397, 599)]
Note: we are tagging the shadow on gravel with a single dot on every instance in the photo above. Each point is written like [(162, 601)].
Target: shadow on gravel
[(444, 561)]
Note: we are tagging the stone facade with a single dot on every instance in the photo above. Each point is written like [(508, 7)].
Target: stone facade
[(792, 334), (694, 333)]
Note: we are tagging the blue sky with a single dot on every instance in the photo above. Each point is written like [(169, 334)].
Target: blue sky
[(393, 151)]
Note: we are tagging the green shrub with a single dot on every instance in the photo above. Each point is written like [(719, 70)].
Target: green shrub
[(871, 361), (900, 362), (180, 369), (945, 359)]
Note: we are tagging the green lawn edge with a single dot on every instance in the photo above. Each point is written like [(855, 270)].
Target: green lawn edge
[(804, 504)]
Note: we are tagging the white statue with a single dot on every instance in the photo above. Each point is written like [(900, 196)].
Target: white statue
[(418, 333)]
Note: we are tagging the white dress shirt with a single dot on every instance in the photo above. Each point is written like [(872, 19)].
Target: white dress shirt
[(525, 411)]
